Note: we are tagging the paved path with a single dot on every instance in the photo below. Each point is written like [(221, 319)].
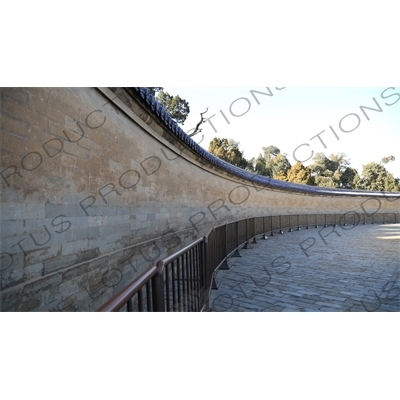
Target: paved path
[(349, 268)]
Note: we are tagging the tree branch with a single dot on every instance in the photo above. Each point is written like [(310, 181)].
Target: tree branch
[(197, 130)]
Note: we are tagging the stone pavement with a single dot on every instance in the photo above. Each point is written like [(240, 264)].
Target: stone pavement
[(349, 268)]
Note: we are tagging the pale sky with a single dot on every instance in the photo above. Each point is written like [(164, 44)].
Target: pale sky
[(292, 116)]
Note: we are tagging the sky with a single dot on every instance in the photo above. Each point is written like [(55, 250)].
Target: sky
[(294, 116)]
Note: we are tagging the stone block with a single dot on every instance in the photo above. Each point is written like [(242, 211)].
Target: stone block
[(31, 302), (12, 272), (41, 107), (87, 233), (14, 126), (74, 247), (23, 211), (11, 228), (123, 210), (60, 262), (33, 271), (40, 254), (68, 210), (10, 299), (39, 92), (114, 229), (42, 285), (24, 113), (20, 95)]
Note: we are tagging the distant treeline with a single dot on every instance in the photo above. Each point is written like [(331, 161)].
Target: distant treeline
[(333, 171)]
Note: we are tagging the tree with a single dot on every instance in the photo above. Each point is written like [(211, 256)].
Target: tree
[(228, 150), (348, 177), (388, 159), (177, 107), (269, 153), (332, 172), (376, 177), (154, 90), (258, 166), (202, 120), (281, 166), (299, 174), (272, 163)]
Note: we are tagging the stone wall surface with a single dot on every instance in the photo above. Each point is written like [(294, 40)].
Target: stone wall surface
[(94, 189)]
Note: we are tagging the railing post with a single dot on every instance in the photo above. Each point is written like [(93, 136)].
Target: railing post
[(325, 225), (255, 231), (237, 253), (334, 219), (290, 225), (129, 305), (226, 240), (205, 287), (264, 237), (158, 288), (205, 264), (215, 284), (316, 221), (272, 226), (225, 264), (298, 223), (307, 227), (247, 245), (280, 225)]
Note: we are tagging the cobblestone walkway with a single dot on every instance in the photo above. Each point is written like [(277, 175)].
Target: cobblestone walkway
[(349, 268)]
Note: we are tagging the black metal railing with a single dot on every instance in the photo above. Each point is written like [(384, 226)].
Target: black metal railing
[(182, 281), (143, 294), (184, 277)]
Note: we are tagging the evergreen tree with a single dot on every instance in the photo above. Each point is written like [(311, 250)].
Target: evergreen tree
[(177, 107), (299, 174), (280, 167), (272, 163), (270, 153), (258, 166), (228, 150), (376, 177), (333, 172)]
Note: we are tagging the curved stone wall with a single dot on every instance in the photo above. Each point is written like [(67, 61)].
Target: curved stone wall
[(96, 186)]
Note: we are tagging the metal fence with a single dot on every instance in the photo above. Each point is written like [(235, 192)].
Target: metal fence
[(182, 281)]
